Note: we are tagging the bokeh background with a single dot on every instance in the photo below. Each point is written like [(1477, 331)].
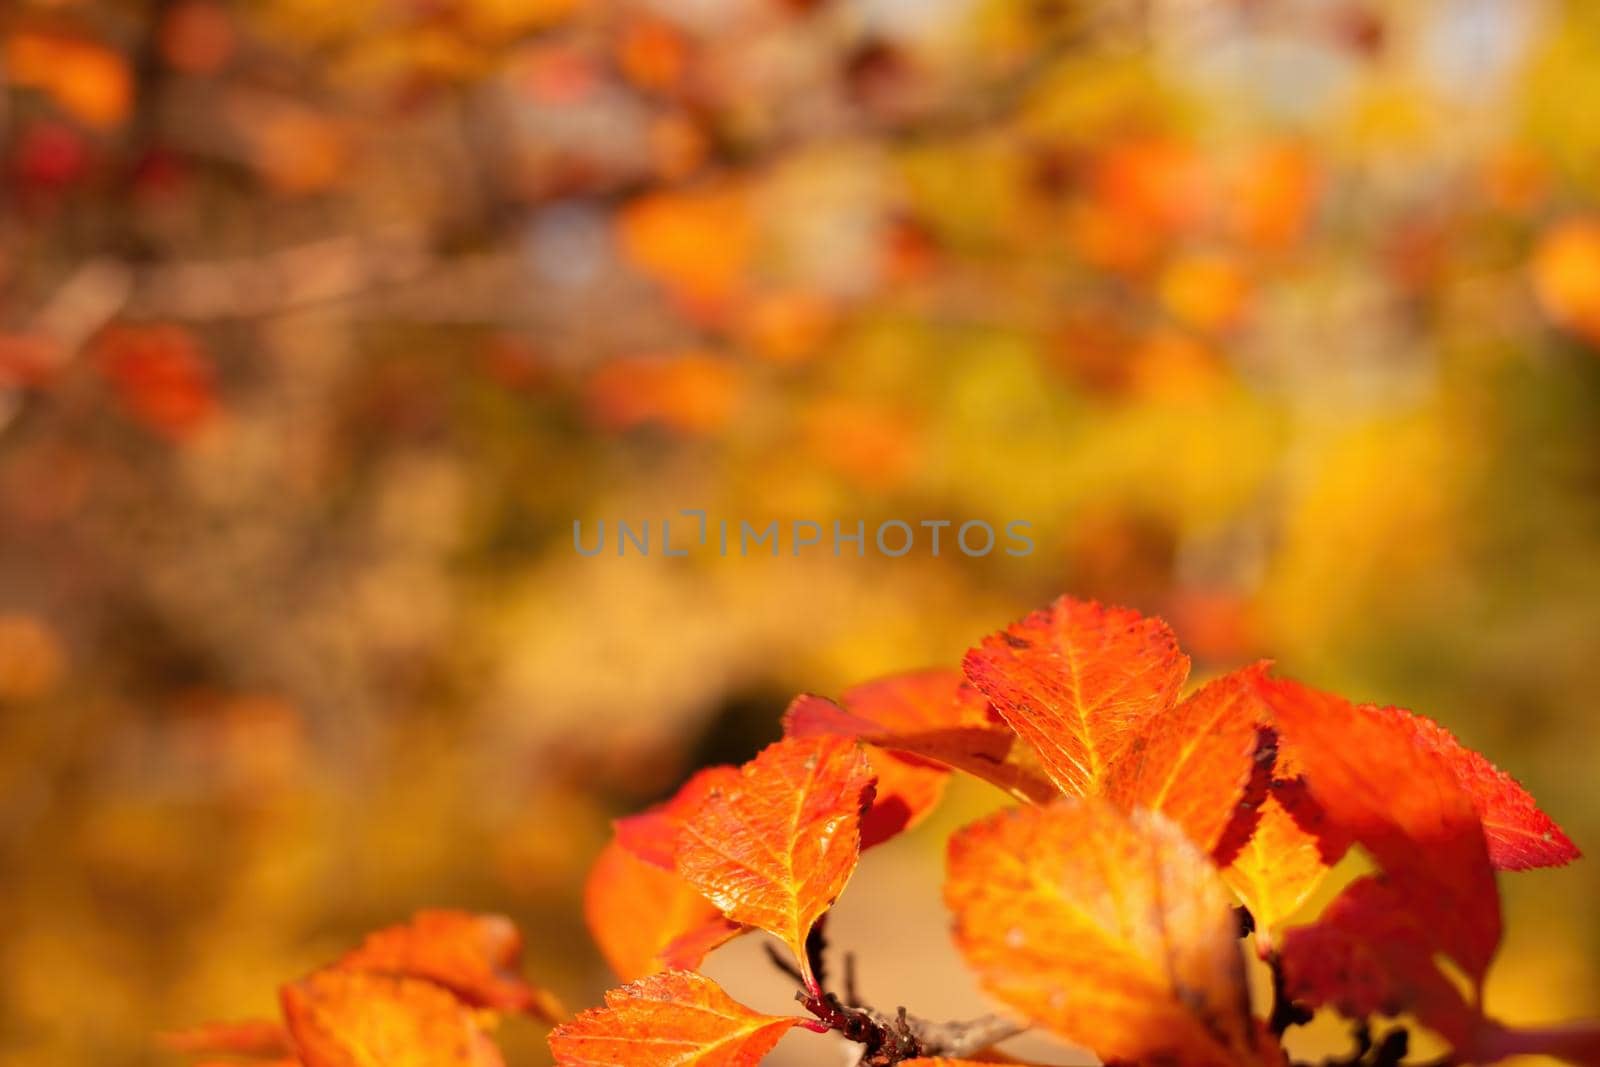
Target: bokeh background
[(320, 324)]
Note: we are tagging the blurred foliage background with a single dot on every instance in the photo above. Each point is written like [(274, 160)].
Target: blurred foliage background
[(320, 323)]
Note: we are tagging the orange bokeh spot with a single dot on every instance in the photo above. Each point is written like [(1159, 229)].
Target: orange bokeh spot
[(788, 327), (652, 55), (697, 244), (160, 377), (1273, 196), (691, 393), (873, 446), (1565, 271), (87, 80), (1209, 293)]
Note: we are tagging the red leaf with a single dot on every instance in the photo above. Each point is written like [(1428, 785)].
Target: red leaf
[(653, 835), (775, 849), (675, 1019), (1402, 802), (1368, 955), (475, 957), (1078, 682), (967, 736), (1193, 762), (686, 953), (908, 787), (1253, 800), (1520, 836)]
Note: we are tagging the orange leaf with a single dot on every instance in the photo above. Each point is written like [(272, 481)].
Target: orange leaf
[(1289, 851), (775, 849), (1079, 681), (964, 734), (908, 788), (1401, 801), (675, 1019), (1519, 834), (633, 937), (475, 957), (349, 1019), (1110, 929), (255, 1039), (1369, 955), (1192, 763), (652, 835), (689, 951), (1277, 870)]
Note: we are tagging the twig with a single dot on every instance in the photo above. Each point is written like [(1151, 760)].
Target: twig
[(1285, 1012), (958, 1039)]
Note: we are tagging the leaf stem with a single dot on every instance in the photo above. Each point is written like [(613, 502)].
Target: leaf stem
[(1285, 1012)]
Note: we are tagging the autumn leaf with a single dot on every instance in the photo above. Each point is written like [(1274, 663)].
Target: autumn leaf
[(904, 703), (635, 939), (1079, 682), (1520, 836), (475, 957), (906, 791), (674, 1019), (340, 1018), (652, 836), (1277, 870), (964, 734), (688, 951), (1402, 802), (1193, 762), (775, 849), (908, 787), (1109, 928), (1369, 954), (1289, 852)]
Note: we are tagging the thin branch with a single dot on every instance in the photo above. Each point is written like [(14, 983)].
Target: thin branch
[(1285, 1012), (959, 1039)]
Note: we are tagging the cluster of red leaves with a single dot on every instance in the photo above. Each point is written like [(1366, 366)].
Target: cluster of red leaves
[(1106, 908), (419, 995)]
